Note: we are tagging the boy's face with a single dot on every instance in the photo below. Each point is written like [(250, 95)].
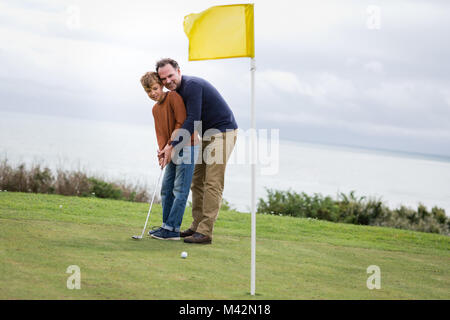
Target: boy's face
[(155, 92), (170, 77)]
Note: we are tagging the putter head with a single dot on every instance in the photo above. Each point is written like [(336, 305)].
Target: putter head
[(136, 237)]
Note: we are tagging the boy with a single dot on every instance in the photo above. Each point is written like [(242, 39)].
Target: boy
[(169, 113)]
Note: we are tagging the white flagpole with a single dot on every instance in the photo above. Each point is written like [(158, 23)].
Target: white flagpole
[(253, 176)]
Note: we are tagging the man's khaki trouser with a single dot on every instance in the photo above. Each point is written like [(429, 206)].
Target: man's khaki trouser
[(208, 180)]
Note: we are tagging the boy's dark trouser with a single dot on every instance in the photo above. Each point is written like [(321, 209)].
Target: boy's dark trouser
[(208, 181)]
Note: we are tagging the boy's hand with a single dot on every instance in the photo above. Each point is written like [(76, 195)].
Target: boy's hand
[(166, 154), (160, 156)]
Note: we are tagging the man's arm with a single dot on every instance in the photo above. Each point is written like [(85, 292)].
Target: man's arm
[(193, 100), (179, 112)]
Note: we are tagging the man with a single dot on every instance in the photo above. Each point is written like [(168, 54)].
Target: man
[(207, 112)]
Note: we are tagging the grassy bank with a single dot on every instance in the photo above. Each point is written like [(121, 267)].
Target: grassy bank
[(297, 258)]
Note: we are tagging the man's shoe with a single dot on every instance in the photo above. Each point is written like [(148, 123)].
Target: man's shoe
[(198, 238), (165, 234), (187, 233)]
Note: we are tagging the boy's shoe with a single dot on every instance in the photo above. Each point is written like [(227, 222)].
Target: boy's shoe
[(187, 233), (165, 234), (154, 229), (198, 238)]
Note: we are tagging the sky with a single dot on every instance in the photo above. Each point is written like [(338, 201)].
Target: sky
[(372, 74)]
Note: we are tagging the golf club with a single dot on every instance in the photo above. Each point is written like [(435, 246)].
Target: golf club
[(150, 209)]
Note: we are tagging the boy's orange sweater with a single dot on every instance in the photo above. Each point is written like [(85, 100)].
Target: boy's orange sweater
[(169, 115)]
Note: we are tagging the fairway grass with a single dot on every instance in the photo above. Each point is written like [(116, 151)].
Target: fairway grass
[(296, 258)]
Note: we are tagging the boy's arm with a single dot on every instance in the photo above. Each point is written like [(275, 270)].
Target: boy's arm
[(155, 118), (193, 99)]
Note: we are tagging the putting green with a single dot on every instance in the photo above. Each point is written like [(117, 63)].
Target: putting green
[(41, 236)]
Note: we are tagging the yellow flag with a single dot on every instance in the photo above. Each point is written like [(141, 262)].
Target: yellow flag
[(221, 32)]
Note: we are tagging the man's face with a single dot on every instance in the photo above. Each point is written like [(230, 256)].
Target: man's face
[(170, 77)]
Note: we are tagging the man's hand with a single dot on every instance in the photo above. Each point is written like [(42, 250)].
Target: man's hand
[(165, 155)]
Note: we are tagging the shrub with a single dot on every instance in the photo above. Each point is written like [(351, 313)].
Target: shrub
[(355, 210), (72, 183), (102, 189), (69, 183), (225, 206)]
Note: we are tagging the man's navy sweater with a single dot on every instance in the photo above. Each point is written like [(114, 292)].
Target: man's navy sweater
[(204, 103)]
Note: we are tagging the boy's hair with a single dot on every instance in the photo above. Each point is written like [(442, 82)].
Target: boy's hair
[(161, 63), (150, 78)]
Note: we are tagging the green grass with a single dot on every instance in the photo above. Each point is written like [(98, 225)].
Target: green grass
[(296, 258)]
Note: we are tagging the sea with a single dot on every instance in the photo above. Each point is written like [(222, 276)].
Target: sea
[(127, 152)]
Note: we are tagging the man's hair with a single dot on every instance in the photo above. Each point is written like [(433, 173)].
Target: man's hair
[(161, 63), (150, 78)]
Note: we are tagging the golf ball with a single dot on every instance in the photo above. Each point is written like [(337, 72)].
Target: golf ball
[(184, 254)]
